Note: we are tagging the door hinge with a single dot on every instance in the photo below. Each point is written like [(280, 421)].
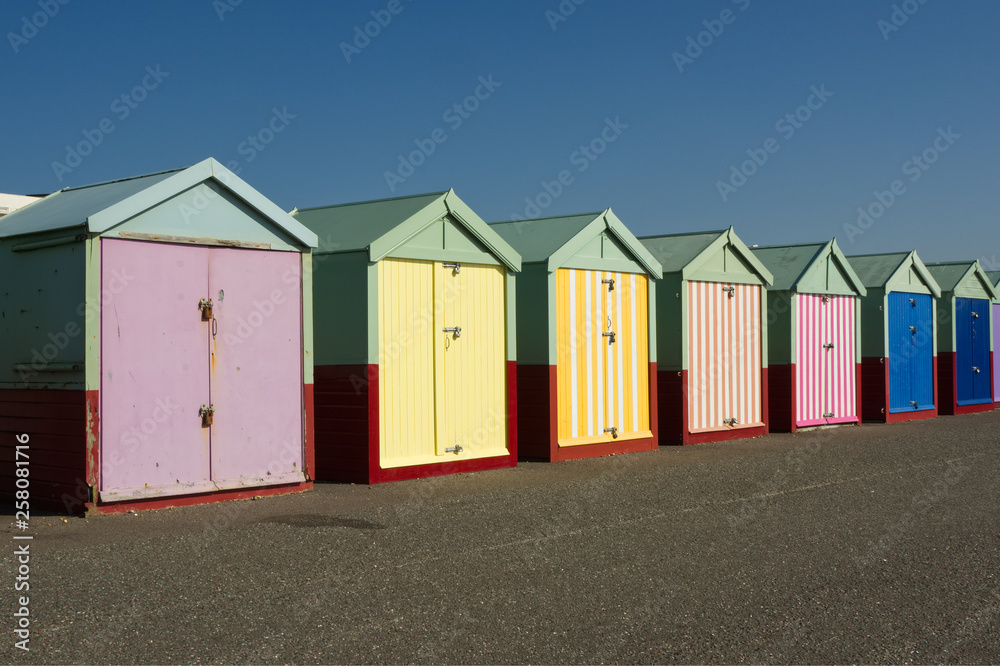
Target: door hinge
[(207, 414), (454, 449), (613, 431)]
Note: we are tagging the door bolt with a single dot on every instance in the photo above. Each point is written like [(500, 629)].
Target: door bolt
[(613, 431), (454, 449)]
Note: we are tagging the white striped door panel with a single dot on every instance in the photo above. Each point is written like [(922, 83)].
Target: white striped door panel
[(724, 356), (826, 377), (602, 364)]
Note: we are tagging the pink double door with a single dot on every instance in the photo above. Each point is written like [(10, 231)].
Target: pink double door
[(201, 369), (826, 375)]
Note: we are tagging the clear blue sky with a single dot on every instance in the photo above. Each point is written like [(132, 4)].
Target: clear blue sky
[(678, 133)]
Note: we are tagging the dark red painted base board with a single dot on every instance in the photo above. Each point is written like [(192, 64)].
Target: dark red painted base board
[(948, 391), (201, 498)]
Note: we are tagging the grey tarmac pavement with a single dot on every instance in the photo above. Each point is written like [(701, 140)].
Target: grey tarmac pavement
[(869, 544)]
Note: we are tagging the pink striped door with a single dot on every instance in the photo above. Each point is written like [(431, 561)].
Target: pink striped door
[(724, 356), (826, 378), (256, 358)]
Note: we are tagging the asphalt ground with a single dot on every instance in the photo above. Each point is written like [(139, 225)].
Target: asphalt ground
[(870, 544)]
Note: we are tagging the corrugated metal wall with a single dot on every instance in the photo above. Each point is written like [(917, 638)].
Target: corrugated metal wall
[(972, 350), (826, 386), (602, 384), (724, 356), (438, 390), (911, 352)]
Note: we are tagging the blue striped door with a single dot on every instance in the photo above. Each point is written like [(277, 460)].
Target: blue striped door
[(911, 355), (972, 350)]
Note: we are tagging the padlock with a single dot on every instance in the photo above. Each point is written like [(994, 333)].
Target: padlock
[(207, 415), (206, 309)]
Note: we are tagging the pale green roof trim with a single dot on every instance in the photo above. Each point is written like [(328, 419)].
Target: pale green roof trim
[(994, 277), (950, 274), (103, 206), (792, 265), (685, 253), (555, 240), (380, 226), (877, 270)]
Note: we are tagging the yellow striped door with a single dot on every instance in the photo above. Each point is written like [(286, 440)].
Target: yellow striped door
[(406, 388), (602, 365), (471, 362)]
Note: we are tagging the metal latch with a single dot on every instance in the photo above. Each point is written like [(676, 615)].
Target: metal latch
[(730, 290), (913, 302), (610, 283), (975, 369), (610, 334), (454, 449), (913, 329), (456, 330), (913, 403), (207, 415), (613, 431), (454, 266), (206, 309), (827, 415), (828, 345), (826, 299), (731, 421)]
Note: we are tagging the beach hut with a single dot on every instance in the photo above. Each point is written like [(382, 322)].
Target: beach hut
[(899, 369), (415, 344), (710, 327), (813, 336), (156, 347), (965, 357), (995, 279), (586, 360)]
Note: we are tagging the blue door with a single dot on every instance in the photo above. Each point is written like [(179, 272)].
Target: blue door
[(972, 350), (911, 352)]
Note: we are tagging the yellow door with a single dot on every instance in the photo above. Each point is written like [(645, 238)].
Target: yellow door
[(471, 354), (441, 389), (407, 429), (602, 366)]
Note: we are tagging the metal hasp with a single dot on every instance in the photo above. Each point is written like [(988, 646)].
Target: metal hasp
[(613, 431), (611, 336), (207, 415), (457, 267), (455, 330), (913, 403), (205, 305), (828, 415), (913, 329), (610, 283), (730, 291), (828, 345), (730, 422), (454, 449), (975, 369)]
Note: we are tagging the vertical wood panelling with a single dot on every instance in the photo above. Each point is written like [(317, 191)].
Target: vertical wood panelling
[(723, 356), (599, 384), (826, 381), (406, 359)]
